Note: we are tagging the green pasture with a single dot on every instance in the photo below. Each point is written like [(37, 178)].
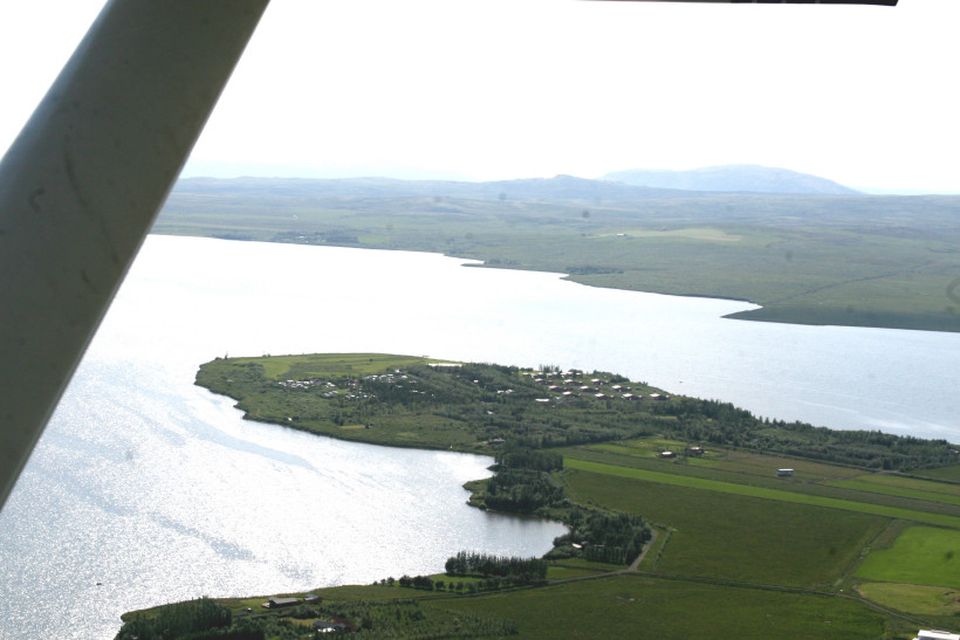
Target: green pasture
[(748, 468), (736, 537), (913, 598), (920, 555), (746, 463), (948, 473), (587, 565), (328, 365), (904, 487), (562, 572), (647, 608), (762, 492)]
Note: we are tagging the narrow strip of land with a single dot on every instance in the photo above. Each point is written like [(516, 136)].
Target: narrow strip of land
[(761, 492)]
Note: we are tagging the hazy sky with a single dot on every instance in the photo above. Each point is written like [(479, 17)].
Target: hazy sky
[(492, 89)]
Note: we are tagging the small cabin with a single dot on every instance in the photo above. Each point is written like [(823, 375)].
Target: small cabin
[(784, 473), (668, 454), (276, 603)]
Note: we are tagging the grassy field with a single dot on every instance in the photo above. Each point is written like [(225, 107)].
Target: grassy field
[(950, 473), (754, 469), (762, 492), (737, 537), (862, 261), (920, 555), (638, 607), (914, 562), (744, 466), (320, 365), (913, 598), (904, 487)]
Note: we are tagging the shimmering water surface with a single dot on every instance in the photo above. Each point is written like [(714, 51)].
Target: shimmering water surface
[(158, 490)]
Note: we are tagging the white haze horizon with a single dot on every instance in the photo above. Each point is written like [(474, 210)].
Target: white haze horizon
[(506, 89)]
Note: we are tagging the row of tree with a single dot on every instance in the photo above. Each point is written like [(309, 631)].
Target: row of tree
[(467, 563)]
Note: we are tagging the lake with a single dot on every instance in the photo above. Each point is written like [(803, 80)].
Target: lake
[(156, 488)]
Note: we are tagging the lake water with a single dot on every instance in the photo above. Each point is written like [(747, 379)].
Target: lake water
[(158, 490)]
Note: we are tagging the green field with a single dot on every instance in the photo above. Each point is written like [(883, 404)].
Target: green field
[(329, 364), (737, 537), (950, 473), (913, 598), (904, 487), (739, 465), (762, 492), (920, 555), (647, 608)]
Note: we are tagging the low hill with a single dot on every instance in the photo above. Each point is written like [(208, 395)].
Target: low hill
[(735, 178)]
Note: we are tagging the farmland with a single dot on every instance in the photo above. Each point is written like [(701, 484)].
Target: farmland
[(730, 547), (644, 607), (736, 537), (762, 492), (920, 555)]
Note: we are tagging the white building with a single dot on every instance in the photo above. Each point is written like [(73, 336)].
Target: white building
[(933, 634)]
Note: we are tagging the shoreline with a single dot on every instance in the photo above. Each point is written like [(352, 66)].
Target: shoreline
[(831, 320)]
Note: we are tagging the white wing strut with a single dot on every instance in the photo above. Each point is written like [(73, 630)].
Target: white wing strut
[(82, 183)]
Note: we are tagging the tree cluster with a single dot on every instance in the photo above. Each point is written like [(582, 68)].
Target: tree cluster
[(485, 565), (516, 457), (522, 491), (615, 538), (195, 619)]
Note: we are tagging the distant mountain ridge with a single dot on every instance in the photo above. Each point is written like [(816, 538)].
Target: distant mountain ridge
[(732, 178), (556, 189), (619, 186)]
